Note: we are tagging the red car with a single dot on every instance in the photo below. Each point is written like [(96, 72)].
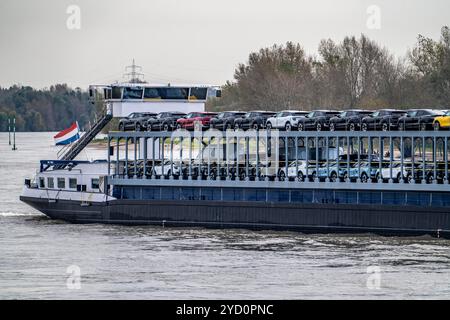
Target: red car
[(195, 120)]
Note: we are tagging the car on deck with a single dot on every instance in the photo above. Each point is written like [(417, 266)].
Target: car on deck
[(350, 120), (317, 120), (225, 120), (418, 119), (253, 120), (164, 121), (136, 121), (285, 120), (384, 119), (442, 122), (195, 120)]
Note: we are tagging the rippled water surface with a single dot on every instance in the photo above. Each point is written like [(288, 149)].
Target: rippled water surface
[(165, 263)]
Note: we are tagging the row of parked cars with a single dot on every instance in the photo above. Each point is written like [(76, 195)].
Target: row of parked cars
[(298, 170), (318, 120)]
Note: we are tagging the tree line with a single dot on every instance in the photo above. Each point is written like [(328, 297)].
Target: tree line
[(52, 109), (354, 73)]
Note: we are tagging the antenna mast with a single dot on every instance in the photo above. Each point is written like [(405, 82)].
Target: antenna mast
[(133, 74)]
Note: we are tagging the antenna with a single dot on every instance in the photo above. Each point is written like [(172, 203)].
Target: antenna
[(133, 74)]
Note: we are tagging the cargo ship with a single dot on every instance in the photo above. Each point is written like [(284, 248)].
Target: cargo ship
[(386, 182)]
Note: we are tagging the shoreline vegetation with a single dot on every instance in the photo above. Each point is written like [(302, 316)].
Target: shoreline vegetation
[(354, 73)]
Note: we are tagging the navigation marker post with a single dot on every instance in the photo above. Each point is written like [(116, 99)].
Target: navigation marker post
[(9, 130), (14, 134)]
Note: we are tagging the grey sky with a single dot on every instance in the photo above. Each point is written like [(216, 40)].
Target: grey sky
[(198, 41)]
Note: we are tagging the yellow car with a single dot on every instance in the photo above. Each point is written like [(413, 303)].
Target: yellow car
[(442, 122)]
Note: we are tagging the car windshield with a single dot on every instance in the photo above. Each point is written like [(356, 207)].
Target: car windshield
[(192, 115), (447, 113), (342, 114), (437, 113), (412, 113), (248, 115), (375, 114), (310, 115)]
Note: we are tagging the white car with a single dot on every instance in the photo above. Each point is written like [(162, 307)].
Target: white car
[(285, 120), (396, 171), (168, 169), (297, 170)]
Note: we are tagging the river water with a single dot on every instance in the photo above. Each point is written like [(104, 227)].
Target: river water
[(40, 258)]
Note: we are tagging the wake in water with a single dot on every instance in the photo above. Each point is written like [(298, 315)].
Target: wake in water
[(17, 214)]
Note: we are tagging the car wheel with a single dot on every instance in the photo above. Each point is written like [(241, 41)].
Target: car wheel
[(236, 126), (179, 126), (269, 126), (385, 126), (423, 127), (332, 127), (255, 126), (364, 177), (301, 127), (282, 176), (228, 126), (121, 127), (149, 127), (437, 126), (333, 177), (365, 127), (314, 176), (409, 178), (165, 127), (401, 127), (300, 176), (319, 127), (351, 127), (288, 127), (137, 126)]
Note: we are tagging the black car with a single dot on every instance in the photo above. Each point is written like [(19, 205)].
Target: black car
[(253, 119), (384, 119), (418, 119), (316, 120), (164, 121), (348, 120), (225, 120), (135, 121)]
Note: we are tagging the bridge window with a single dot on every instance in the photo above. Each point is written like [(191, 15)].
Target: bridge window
[(130, 93), (440, 200), (41, 182), (61, 183), (116, 92), (50, 183), (72, 183), (152, 93), (198, 93), (170, 193), (346, 197)]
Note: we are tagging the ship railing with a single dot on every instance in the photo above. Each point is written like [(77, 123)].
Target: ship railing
[(409, 157)]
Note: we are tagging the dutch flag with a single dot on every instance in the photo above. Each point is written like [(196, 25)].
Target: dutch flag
[(68, 135)]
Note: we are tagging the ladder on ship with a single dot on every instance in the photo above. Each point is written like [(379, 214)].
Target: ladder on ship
[(84, 140)]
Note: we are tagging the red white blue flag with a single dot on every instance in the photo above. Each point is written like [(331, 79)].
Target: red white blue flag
[(68, 135)]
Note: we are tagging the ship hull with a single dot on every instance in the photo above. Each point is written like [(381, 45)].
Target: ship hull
[(307, 218)]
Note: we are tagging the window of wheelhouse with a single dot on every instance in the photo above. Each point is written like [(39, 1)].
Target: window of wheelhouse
[(116, 92), (198, 93), (132, 93), (50, 183), (174, 93), (41, 182), (61, 183), (72, 183)]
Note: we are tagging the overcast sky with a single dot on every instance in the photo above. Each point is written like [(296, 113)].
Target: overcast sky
[(199, 41)]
